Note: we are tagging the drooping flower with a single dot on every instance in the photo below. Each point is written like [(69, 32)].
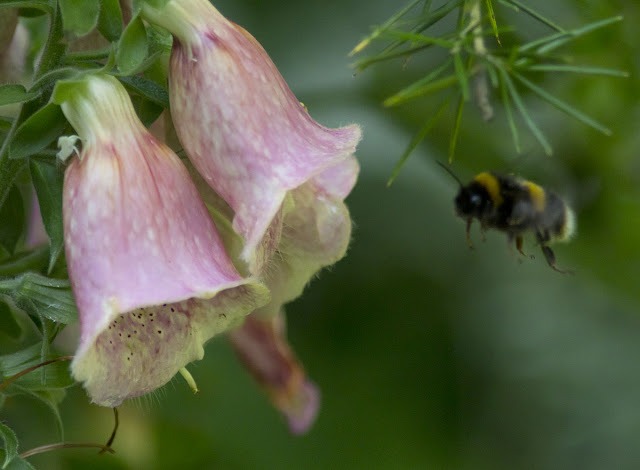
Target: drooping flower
[(149, 272), (242, 127), (262, 346), (316, 234)]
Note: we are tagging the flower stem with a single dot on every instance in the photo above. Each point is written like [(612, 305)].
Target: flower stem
[(64, 445)]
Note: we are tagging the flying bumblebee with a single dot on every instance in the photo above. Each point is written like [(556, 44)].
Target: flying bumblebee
[(515, 206)]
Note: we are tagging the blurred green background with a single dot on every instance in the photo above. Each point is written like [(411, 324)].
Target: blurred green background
[(429, 355)]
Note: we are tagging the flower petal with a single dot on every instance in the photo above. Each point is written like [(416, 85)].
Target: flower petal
[(149, 272)]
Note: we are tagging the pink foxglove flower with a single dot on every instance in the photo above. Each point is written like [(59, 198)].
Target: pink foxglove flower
[(150, 275), (262, 346), (242, 127)]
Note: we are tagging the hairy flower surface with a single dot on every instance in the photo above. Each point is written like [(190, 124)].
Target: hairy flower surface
[(149, 272), (242, 127)]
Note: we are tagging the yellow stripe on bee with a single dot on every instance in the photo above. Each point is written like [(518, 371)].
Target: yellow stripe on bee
[(491, 184), (538, 196)]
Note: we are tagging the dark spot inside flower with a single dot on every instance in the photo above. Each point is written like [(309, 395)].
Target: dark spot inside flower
[(172, 309), (164, 305), (128, 359), (143, 324), (152, 319), (128, 336), (119, 334), (159, 332)]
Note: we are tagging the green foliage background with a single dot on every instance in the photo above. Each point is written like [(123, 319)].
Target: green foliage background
[(429, 355)]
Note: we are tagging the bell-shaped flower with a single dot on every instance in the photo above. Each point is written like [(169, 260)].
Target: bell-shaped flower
[(242, 127), (262, 346), (150, 275)]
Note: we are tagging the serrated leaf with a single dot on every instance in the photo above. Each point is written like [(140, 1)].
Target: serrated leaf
[(19, 464), (110, 19), (10, 94), (133, 47), (148, 89), (12, 217), (39, 295), (38, 131), (47, 180), (79, 16), (10, 444), (8, 324)]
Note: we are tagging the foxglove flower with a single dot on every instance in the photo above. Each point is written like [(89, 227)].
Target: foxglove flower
[(262, 347), (242, 127), (149, 272)]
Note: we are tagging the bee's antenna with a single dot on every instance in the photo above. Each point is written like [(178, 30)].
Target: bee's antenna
[(448, 170)]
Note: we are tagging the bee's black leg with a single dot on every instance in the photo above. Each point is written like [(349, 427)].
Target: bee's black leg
[(519, 242), (469, 222), (548, 253)]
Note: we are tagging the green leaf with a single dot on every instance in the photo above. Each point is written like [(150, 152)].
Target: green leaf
[(561, 105), (10, 444), (415, 89), (39, 295), (534, 14), (18, 463), (148, 89), (35, 260), (38, 131), (376, 32), (51, 398), (110, 19), (79, 16), (428, 88), (52, 376), (8, 324), (10, 94), (508, 110), (419, 137), (133, 47), (147, 111), (524, 113), (40, 5), (456, 128), (47, 180), (461, 73), (12, 217), (492, 20), (578, 69)]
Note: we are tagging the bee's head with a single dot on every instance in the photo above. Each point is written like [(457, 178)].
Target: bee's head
[(471, 201)]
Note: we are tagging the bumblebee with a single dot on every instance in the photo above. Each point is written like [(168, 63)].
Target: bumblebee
[(515, 206)]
